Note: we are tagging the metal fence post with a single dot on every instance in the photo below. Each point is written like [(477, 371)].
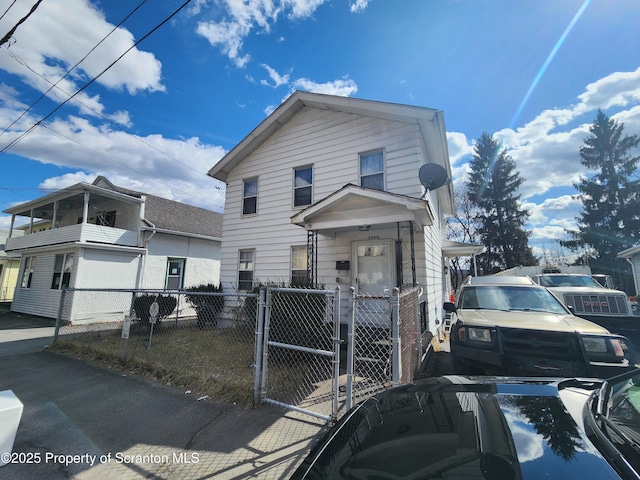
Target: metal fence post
[(351, 321), (59, 317), (396, 362), (265, 349), (259, 345), (336, 349)]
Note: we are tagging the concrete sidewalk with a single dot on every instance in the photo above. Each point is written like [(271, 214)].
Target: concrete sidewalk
[(83, 421)]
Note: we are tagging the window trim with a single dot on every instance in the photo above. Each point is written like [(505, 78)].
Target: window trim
[(28, 269), (246, 197), (63, 277), (382, 172), (305, 269), (309, 186), (252, 251), (183, 265)]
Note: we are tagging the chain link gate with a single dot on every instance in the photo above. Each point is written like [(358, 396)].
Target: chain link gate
[(302, 343)]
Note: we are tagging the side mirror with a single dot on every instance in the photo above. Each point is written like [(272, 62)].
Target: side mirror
[(449, 307)]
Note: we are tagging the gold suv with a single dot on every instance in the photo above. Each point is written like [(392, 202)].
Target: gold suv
[(511, 326)]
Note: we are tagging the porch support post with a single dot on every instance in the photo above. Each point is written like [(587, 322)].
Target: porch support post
[(31, 221), (413, 255), (85, 208), (54, 220), (13, 221)]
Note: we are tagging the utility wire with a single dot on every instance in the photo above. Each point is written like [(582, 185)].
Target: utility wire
[(9, 34), (54, 85), (97, 113), (86, 85), (8, 8), (189, 194)]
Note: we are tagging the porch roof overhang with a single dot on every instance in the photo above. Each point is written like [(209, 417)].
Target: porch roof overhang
[(356, 208), (70, 197), (630, 252), (451, 249)]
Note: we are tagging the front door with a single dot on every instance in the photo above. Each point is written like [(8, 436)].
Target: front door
[(374, 279)]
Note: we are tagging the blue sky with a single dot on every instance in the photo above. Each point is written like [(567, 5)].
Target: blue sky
[(532, 72)]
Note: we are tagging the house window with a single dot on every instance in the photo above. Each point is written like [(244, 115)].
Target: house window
[(27, 272), (250, 197), (302, 186), (175, 274), (299, 271), (245, 270), (372, 170), (62, 268), (106, 219)]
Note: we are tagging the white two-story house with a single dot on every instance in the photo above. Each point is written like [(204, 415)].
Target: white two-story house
[(100, 236), (326, 191)]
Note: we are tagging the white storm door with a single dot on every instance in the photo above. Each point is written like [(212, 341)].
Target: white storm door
[(374, 277)]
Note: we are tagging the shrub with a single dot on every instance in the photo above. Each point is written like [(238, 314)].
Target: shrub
[(207, 306), (142, 304)]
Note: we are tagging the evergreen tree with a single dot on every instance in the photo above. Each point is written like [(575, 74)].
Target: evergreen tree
[(492, 186), (610, 218)]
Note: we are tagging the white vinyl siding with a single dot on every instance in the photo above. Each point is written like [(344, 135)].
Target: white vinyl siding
[(331, 142)]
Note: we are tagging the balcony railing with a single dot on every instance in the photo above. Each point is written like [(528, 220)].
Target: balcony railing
[(83, 232)]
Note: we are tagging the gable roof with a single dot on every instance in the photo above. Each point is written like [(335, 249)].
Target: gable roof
[(358, 207), (430, 121), (159, 212)]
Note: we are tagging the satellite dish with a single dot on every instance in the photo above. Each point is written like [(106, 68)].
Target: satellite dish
[(432, 176)]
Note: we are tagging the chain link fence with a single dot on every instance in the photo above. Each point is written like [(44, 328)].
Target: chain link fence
[(302, 344), (384, 342), (281, 345), (199, 341)]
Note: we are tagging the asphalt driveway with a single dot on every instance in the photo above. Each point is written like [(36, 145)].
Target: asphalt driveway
[(84, 421)]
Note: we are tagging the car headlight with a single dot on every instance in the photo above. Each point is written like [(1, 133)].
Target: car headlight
[(602, 348), (474, 334)]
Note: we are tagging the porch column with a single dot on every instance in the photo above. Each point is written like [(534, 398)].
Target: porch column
[(85, 208), (31, 221), (54, 220), (13, 219)]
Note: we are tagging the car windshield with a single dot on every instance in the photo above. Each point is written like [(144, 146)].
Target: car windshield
[(568, 281), (510, 297), (616, 415)]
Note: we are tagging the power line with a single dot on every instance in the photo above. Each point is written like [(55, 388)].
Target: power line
[(86, 85), (54, 85), (8, 8), (10, 33)]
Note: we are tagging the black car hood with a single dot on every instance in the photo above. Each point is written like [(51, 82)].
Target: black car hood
[(493, 428)]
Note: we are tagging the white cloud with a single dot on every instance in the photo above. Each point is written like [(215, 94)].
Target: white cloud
[(342, 87), (276, 78), (77, 27), (244, 16), (547, 153), (358, 6)]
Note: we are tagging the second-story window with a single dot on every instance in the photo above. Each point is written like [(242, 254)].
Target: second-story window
[(302, 186), (372, 170), (250, 196)]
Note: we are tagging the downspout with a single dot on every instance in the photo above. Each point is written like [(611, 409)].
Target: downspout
[(633, 271), (143, 243)]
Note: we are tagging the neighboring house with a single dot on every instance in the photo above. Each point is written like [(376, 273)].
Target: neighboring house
[(99, 235), (326, 191), (633, 257), (9, 267)]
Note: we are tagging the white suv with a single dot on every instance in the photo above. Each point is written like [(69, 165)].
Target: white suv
[(512, 326)]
